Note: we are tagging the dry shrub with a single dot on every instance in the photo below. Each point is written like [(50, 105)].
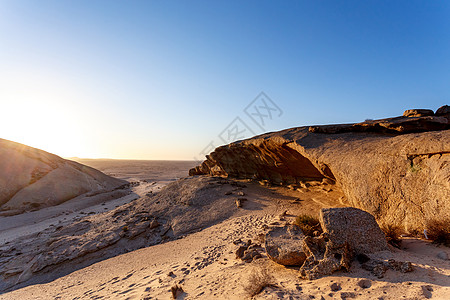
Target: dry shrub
[(439, 231), (259, 280), (393, 233), (308, 224)]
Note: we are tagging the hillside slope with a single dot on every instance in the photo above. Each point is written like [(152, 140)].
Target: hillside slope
[(31, 178)]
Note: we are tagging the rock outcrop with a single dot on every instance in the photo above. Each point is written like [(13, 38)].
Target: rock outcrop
[(396, 169), (31, 178)]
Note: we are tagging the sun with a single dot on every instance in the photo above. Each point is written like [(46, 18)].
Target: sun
[(42, 113)]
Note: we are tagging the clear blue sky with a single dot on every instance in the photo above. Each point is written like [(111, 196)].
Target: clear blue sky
[(162, 79)]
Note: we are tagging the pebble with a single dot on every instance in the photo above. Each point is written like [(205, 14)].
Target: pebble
[(335, 287), (364, 283)]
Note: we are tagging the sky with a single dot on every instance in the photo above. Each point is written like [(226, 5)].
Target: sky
[(174, 79)]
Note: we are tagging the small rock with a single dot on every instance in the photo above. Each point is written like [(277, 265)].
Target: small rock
[(153, 224), (240, 251), (250, 254), (401, 266), (292, 187), (238, 203), (304, 185), (241, 193), (327, 181), (176, 291), (362, 258), (442, 255), (426, 291), (335, 287), (365, 283), (345, 295)]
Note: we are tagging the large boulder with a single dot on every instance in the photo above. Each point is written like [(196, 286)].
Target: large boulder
[(284, 245), (355, 227), (31, 178)]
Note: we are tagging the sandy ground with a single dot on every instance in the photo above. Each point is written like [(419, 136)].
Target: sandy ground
[(205, 266)]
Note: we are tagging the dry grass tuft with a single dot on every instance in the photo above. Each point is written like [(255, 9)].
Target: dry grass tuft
[(439, 231), (258, 281), (308, 224), (393, 234)]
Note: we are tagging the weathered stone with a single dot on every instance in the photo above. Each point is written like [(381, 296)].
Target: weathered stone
[(324, 257), (335, 287), (401, 266), (250, 254), (418, 113), (355, 227), (284, 245), (364, 283), (176, 291), (240, 251)]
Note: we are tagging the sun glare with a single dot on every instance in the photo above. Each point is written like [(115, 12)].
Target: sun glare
[(42, 113)]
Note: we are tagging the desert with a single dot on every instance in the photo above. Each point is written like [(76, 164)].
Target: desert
[(226, 149), (236, 231)]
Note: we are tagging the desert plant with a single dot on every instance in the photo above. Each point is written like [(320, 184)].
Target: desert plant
[(439, 231), (259, 280), (393, 234), (308, 224)]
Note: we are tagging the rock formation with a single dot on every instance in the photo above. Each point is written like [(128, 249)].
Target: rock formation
[(347, 233), (396, 169), (31, 178)]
